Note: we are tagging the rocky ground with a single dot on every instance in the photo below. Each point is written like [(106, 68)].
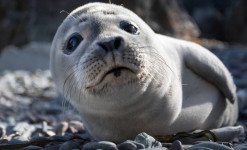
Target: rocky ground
[(33, 116)]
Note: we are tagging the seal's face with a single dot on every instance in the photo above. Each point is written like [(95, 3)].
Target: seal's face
[(99, 50)]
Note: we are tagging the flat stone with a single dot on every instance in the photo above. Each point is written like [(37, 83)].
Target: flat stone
[(127, 146), (32, 147), (105, 145), (209, 146)]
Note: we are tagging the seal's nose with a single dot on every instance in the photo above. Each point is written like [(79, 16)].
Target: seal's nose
[(111, 44)]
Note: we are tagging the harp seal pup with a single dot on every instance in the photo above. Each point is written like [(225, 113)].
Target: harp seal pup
[(125, 79)]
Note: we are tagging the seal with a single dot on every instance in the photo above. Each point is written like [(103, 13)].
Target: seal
[(125, 79)]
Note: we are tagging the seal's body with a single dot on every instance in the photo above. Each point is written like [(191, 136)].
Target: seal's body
[(125, 79)]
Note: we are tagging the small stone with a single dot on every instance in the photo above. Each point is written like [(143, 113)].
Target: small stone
[(83, 136), (209, 146), (105, 145), (16, 141), (138, 145), (24, 129), (76, 126), (62, 138), (127, 146), (50, 133), (69, 145), (159, 148), (177, 145), (32, 147), (147, 140)]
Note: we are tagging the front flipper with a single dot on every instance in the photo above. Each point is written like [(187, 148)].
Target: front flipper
[(208, 66)]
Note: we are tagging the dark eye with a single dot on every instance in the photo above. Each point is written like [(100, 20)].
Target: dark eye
[(73, 42), (128, 27)]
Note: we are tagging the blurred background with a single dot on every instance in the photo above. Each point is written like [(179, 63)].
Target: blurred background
[(31, 24)]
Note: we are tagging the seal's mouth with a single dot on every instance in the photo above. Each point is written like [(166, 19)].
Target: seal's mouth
[(117, 71)]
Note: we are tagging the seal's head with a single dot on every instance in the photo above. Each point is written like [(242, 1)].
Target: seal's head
[(104, 51), (110, 64)]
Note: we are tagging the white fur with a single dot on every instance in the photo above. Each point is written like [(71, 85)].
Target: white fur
[(188, 91)]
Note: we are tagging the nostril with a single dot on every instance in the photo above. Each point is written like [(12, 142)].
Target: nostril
[(103, 46), (117, 43)]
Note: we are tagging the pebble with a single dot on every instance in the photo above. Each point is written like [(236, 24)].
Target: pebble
[(83, 136), (16, 141), (147, 140), (76, 126), (31, 147), (105, 145), (61, 128), (209, 146), (158, 148), (69, 145), (138, 145), (177, 145), (127, 146)]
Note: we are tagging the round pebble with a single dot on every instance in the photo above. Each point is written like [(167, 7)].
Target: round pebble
[(127, 146), (32, 147), (105, 145), (138, 145), (177, 145), (69, 145)]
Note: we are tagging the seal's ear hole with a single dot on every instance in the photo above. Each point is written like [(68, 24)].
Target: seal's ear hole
[(129, 27), (72, 43)]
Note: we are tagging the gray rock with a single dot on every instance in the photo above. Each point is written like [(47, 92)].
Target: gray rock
[(127, 145), (69, 145), (32, 147), (138, 145), (83, 136), (76, 126), (177, 145), (147, 140), (16, 141), (158, 148), (209, 146), (105, 145)]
